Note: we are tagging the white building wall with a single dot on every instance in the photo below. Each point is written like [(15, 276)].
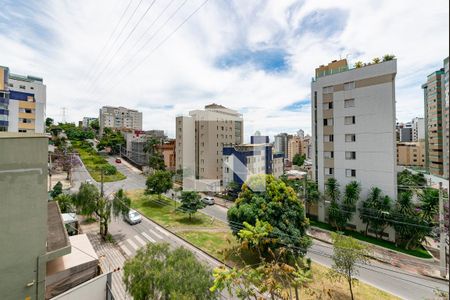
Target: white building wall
[(13, 117)]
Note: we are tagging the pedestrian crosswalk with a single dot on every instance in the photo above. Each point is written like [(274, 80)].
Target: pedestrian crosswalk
[(132, 244)]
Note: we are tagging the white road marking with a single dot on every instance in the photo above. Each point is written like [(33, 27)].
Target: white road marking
[(155, 234), (141, 241), (125, 249), (148, 237), (132, 244), (162, 231)]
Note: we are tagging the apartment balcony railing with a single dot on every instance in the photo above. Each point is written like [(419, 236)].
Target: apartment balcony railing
[(4, 100), (4, 112)]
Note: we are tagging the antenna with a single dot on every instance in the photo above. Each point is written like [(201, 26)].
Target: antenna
[(63, 114)]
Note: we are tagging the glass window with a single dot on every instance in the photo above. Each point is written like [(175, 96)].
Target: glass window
[(349, 120), (328, 89), (350, 155), (349, 86), (350, 172), (349, 103)]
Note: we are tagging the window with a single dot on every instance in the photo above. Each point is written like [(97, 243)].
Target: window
[(349, 103), (328, 89), (328, 105), (329, 171), (328, 138), (22, 130), (328, 122), (349, 138), (350, 172), (349, 86), (349, 120), (328, 154), (350, 155), (31, 87)]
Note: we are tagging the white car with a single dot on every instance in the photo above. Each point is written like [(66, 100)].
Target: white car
[(208, 200), (133, 217)]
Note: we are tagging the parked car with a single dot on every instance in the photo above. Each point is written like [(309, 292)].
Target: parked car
[(133, 217), (118, 160), (208, 200)]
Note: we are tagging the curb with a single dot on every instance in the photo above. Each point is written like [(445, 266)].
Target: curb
[(183, 239)]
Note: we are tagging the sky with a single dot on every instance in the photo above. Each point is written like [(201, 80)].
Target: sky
[(167, 57)]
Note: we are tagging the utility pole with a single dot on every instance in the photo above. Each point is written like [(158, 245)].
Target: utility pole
[(442, 254), (101, 182), (304, 195)]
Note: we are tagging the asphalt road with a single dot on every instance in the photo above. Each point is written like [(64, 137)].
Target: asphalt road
[(386, 277)]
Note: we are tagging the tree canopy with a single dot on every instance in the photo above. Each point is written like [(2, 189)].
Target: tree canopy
[(112, 139), (190, 203), (299, 159), (159, 182), (156, 272), (267, 199)]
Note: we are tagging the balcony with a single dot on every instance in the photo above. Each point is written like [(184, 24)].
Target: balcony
[(4, 100), (4, 112)]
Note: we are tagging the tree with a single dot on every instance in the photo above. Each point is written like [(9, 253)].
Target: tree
[(65, 203), (156, 161), (190, 203), (375, 211), (64, 159), (376, 60), (332, 190), (89, 201), (336, 216), (94, 125), (48, 122), (57, 190), (429, 203), (112, 139), (351, 197), (347, 253), (299, 159), (267, 199), (156, 272), (312, 194), (159, 182), (359, 64)]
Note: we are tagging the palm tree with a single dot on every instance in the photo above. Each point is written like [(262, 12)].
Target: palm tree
[(332, 189), (388, 57), (351, 197), (359, 64), (150, 146), (376, 60), (429, 199)]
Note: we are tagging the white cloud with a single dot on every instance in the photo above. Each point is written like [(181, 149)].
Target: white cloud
[(60, 41)]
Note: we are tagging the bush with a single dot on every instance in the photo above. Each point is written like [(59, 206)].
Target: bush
[(109, 169)]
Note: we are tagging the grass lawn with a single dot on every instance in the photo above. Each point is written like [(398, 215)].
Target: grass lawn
[(212, 242), (419, 252), (322, 287), (162, 210), (93, 161)]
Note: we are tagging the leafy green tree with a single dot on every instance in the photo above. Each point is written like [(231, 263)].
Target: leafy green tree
[(168, 274), (312, 195), (429, 203), (156, 161), (112, 139), (190, 203), (257, 237), (336, 216), (65, 203), (150, 146), (375, 211), (299, 159), (347, 254), (351, 197), (57, 190), (267, 199), (94, 125), (159, 182), (48, 122), (332, 190)]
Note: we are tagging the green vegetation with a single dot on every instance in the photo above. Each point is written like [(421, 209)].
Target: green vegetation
[(168, 274), (57, 190), (95, 163), (190, 203), (211, 242), (159, 182), (418, 252), (75, 133), (347, 253), (111, 139), (299, 159)]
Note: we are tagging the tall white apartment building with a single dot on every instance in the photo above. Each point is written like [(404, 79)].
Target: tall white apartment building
[(353, 128), (119, 118), (201, 136), (22, 102), (418, 129)]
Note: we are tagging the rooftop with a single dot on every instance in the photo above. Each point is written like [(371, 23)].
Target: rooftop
[(27, 78), (57, 237)]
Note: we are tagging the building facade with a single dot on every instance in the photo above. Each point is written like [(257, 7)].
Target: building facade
[(406, 132), (353, 128), (307, 146), (411, 154), (281, 144), (294, 147), (33, 232), (22, 103), (200, 138), (434, 103), (446, 119), (86, 122), (418, 129), (167, 149), (120, 118)]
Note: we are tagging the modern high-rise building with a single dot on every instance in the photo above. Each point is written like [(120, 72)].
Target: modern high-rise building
[(281, 144), (201, 136), (301, 133), (434, 103), (22, 103), (406, 132), (353, 128), (446, 119), (418, 129), (307, 146), (294, 147), (120, 118)]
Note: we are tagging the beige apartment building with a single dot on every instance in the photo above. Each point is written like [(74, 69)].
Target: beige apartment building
[(200, 138), (119, 118), (294, 147), (411, 154)]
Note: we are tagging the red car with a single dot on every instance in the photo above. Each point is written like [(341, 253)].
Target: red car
[(118, 160)]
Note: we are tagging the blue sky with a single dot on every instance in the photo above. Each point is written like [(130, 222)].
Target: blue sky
[(257, 56)]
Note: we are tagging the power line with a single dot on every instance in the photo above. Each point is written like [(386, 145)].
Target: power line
[(124, 41), (99, 55)]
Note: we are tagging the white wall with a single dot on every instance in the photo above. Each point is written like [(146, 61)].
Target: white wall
[(13, 117), (94, 289)]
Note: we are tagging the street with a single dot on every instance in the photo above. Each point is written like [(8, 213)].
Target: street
[(130, 238)]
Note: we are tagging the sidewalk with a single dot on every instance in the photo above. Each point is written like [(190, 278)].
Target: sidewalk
[(111, 258), (426, 267)]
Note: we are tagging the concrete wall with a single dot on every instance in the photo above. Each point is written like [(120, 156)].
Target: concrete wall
[(23, 215), (94, 289)]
